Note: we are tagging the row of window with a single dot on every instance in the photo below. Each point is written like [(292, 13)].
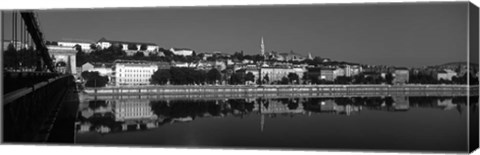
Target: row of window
[(136, 70), (135, 75), (135, 80)]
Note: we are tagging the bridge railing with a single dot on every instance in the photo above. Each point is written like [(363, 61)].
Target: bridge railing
[(28, 112), (17, 80)]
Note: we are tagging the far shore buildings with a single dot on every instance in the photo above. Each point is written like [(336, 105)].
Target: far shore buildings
[(401, 76), (135, 72), (446, 74), (104, 69), (275, 73), (84, 44), (292, 56), (129, 47), (182, 51)]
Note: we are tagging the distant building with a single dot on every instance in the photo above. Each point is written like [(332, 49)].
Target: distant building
[(275, 73), (135, 72), (104, 69), (327, 74), (352, 70), (446, 74), (338, 72), (104, 43), (182, 51), (87, 67), (220, 65), (287, 56), (401, 76), (184, 65), (72, 43)]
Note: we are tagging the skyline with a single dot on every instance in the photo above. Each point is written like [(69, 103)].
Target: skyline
[(376, 34)]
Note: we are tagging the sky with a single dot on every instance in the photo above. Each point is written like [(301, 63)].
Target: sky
[(410, 35)]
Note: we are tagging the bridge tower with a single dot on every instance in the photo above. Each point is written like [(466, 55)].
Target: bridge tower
[(64, 59)]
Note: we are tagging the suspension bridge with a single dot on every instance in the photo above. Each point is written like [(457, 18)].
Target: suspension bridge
[(39, 103)]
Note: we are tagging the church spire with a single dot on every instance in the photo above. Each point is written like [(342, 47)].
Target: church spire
[(262, 46)]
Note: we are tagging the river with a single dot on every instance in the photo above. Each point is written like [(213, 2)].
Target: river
[(398, 122)]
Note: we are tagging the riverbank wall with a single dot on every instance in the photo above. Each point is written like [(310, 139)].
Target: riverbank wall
[(273, 89)]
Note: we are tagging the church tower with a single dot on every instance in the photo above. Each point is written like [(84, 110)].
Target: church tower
[(262, 48)]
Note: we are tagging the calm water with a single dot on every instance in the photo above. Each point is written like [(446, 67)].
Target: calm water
[(384, 122)]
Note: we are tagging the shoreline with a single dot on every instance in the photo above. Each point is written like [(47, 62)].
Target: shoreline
[(271, 89)]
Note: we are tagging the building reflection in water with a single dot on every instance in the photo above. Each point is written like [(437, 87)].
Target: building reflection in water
[(107, 116)]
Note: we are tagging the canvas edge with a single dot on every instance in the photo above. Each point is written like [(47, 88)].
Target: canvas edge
[(473, 46)]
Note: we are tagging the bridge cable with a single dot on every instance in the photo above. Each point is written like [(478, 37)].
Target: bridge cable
[(21, 34), (12, 40), (15, 32)]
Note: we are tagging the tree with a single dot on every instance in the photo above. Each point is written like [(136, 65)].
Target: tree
[(293, 78), (94, 79), (178, 76), (93, 47), (250, 77), (237, 78), (238, 56), (389, 78), (359, 79), (213, 75), (143, 47), (284, 80), (161, 76), (77, 47), (27, 57), (258, 57), (138, 55), (266, 78), (343, 80), (369, 80), (132, 47), (292, 105), (81, 58), (10, 57)]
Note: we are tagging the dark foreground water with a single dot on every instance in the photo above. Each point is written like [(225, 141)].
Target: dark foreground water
[(382, 123)]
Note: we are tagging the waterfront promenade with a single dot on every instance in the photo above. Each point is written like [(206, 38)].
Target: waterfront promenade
[(274, 89)]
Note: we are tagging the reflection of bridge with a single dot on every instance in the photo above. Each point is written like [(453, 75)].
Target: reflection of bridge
[(35, 97)]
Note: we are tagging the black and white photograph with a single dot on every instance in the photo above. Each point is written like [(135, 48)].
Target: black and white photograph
[(357, 77)]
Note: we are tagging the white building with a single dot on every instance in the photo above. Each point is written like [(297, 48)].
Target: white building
[(338, 72), (182, 51), (104, 43), (352, 70), (84, 44), (446, 74), (133, 72)]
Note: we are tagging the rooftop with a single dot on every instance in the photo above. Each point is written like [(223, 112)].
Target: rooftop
[(125, 42)]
